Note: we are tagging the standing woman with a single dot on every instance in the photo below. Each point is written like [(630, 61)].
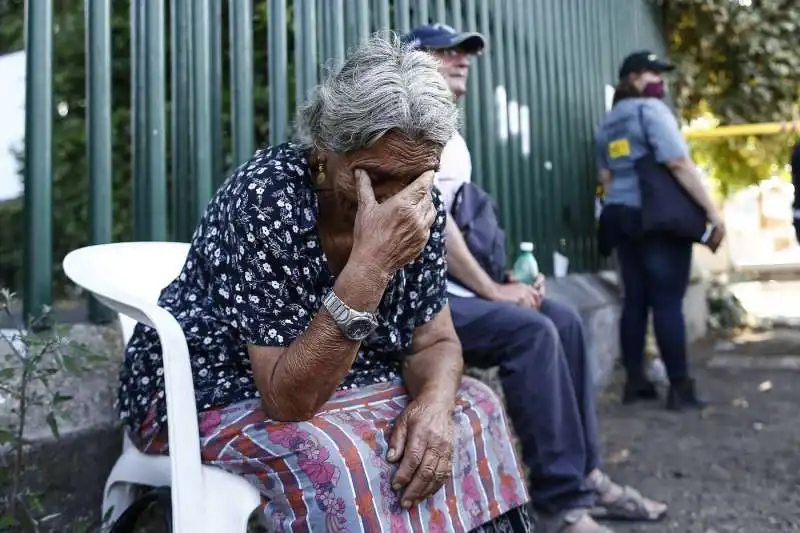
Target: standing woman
[(655, 267)]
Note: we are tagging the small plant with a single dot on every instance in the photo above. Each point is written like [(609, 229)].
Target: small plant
[(34, 358)]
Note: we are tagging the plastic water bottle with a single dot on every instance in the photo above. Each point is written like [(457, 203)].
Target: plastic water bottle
[(526, 269)]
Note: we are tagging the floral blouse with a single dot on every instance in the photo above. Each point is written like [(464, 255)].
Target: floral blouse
[(256, 274)]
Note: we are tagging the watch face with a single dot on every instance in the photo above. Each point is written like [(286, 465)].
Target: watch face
[(359, 328)]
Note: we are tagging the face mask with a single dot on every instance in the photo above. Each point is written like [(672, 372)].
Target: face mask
[(654, 90)]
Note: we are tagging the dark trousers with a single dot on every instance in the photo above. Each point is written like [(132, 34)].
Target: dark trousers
[(797, 229), (655, 274), (548, 387)]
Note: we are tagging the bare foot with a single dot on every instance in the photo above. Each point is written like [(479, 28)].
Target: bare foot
[(617, 502)]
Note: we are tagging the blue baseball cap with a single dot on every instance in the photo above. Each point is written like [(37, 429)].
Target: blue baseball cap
[(442, 37)]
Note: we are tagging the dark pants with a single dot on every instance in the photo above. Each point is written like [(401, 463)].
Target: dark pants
[(655, 274), (797, 229), (548, 387)]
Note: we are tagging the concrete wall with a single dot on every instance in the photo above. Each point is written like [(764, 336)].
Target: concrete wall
[(71, 471)]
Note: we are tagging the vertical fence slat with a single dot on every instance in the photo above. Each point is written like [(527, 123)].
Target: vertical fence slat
[(156, 153), (301, 44), (440, 13), (475, 120), (241, 38), (488, 175), (402, 16), (310, 61), (421, 14), (98, 131), (182, 190), (513, 179), (201, 84), (140, 177), (544, 30), (381, 8), (362, 19), (337, 30), (457, 15), (278, 67), (216, 83), (501, 94), (524, 192), (536, 158), (38, 251)]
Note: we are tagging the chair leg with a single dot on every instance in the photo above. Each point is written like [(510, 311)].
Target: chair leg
[(119, 497), (129, 520)]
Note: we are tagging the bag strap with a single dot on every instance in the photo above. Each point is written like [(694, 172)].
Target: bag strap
[(647, 142)]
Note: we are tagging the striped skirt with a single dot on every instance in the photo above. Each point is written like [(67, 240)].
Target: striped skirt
[(330, 473)]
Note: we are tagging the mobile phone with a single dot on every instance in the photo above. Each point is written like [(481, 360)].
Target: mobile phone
[(709, 232), (707, 238)]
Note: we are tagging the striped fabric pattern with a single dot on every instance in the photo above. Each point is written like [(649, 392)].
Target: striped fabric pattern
[(330, 473)]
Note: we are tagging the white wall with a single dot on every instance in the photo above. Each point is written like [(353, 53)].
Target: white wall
[(12, 125)]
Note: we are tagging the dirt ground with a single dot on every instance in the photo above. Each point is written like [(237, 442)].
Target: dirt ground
[(732, 468)]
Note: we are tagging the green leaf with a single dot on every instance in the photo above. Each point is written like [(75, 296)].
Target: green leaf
[(6, 437), (53, 423), (70, 365), (59, 398), (7, 522)]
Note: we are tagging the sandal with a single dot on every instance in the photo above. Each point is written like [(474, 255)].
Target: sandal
[(571, 521), (630, 506)]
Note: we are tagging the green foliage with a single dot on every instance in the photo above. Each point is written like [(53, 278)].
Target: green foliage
[(32, 364), (740, 64)]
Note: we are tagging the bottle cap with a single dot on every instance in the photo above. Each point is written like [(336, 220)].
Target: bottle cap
[(526, 246)]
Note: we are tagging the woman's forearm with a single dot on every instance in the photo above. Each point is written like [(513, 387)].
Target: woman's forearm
[(309, 370), (435, 373), (685, 171)]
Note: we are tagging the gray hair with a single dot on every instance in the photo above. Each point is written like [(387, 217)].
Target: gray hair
[(383, 86)]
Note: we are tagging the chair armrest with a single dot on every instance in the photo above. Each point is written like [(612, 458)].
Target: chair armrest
[(182, 427)]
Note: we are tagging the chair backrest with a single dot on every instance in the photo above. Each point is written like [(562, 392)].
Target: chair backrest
[(142, 269)]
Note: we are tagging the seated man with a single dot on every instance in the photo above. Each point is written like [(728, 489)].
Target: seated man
[(538, 345)]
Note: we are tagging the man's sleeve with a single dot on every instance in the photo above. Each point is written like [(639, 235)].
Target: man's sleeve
[(454, 171)]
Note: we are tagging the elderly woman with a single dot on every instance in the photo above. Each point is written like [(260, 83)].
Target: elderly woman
[(326, 367)]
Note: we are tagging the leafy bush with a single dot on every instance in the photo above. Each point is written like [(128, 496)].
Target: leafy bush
[(31, 366)]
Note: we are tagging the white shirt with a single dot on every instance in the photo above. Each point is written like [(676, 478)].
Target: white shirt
[(455, 169)]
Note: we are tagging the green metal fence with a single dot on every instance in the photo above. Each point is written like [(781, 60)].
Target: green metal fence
[(534, 99)]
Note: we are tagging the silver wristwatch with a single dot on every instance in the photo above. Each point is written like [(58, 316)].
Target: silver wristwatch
[(356, 325)]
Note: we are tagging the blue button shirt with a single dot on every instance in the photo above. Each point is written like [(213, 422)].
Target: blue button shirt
[(620, 140)]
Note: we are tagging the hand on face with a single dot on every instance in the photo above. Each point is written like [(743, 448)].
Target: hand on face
[(393, 233)]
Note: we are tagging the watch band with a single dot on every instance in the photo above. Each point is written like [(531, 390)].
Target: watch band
[(343, 314), (339, 310)]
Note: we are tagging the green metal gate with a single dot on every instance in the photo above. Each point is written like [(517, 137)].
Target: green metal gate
[(534, 100)]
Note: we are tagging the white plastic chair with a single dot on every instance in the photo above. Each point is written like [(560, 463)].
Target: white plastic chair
[(128, 278)]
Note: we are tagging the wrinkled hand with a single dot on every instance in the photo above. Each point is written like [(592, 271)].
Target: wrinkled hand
[(518, 294), (393, 233), (422, 443)]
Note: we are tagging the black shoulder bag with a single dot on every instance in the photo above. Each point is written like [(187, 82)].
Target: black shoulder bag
[(667, 208)]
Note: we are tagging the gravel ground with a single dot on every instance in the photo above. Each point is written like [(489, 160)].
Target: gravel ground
[(734, 467)]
